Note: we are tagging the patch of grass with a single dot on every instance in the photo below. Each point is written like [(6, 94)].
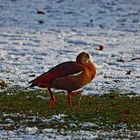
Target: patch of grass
[(106, 110)]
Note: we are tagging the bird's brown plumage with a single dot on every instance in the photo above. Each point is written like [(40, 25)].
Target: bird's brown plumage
[(69, 76), (61, 70)]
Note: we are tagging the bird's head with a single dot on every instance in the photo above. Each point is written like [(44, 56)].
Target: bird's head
[(83, 58)]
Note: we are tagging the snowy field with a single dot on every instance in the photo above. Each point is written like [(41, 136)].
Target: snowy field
[(36, 35)]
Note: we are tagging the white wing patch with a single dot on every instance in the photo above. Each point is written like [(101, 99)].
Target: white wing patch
[(76, 74)]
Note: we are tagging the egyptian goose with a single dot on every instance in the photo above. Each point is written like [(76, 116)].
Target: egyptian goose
[(69, 76)]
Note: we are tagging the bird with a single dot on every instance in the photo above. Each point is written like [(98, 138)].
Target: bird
[(69, 76)]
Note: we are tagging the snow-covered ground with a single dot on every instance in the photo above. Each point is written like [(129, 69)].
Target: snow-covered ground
[(61, 131), (51, 134), (26, 53), (36, 35)]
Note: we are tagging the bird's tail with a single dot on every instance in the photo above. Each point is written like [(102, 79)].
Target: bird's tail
[(30, 85)]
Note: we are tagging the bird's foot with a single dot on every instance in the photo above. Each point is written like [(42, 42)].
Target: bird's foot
[(76, 93), (52, 102)]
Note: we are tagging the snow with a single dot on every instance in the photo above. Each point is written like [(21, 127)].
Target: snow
[(33, 54), (56, 117), (31, 130), (51, 134), (32, 43), (81, 131)]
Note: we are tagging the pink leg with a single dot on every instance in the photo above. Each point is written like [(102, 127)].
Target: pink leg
[(52, 100), (70, 94)]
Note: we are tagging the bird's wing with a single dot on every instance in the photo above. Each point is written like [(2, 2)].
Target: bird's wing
[(63, 69)]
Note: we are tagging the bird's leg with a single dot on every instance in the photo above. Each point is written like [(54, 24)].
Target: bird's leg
[(52, 100), (69, 99), (70, 94), (77, 93)]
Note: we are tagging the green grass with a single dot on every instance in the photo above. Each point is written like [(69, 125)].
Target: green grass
[(106, 110)]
